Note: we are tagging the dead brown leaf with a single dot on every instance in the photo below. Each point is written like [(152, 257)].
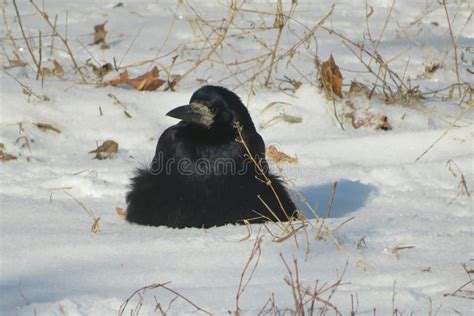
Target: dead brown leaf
[(431, 69), (385, 125), (358, 89), (121, 212), (58, 69), (45, 126), (17, 61), (45, 72), (95, 228), (395, 250), (106, 150), (102, 70), (100, 33), (173, 81), (370, 11), (149, 81), (5, 156), (331, 77), (296, 84), (274, 154), (370, 119), (366, 117), (122, 79)]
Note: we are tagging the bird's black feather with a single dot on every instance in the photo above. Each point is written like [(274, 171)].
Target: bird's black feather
[(202, 177)]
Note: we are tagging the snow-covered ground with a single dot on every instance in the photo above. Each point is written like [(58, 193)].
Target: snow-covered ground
[(406, 233)]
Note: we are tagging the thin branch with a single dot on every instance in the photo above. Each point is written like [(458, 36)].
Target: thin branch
[(383, 29), (279, 23), (141, 292), (24, 37), (46, 18), (454, 45), (218, 42), (256, 252), (453, 123)]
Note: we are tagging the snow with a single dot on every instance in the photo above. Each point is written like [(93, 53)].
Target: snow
[(50, 262)]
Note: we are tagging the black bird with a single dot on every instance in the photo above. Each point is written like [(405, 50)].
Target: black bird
[(201, 176)]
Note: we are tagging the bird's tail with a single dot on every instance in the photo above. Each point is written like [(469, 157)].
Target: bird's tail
[(140, 196)]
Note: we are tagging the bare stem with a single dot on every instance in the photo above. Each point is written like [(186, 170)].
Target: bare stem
[(454, 46), (25, 38), (45, 17)]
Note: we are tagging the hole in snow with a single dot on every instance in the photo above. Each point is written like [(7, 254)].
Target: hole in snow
[(350, 196)]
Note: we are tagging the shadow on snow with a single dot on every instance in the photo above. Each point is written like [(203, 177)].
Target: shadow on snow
[(349, 197)]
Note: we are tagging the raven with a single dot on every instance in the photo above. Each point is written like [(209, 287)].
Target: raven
[(201, 175)]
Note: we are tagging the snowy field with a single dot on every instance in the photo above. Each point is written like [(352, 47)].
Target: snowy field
[(402, 213)]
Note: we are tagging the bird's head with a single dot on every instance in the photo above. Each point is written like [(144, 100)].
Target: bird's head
[(214, 107)]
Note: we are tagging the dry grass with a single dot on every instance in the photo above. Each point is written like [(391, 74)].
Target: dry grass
[(297, 222), (306, 300), (246, 276), (95, 227), (466, 290), (138, 298), (215, 38)]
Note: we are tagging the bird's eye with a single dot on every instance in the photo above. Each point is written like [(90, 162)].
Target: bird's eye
[(226, 116), (214, 109)]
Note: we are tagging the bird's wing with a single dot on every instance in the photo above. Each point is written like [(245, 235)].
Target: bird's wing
[(167, 141), (256, 145), (165, 148)]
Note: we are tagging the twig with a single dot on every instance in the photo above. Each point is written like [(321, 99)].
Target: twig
[(54, 34), (295, 288), (394, 310), (130, 46), (141, 292), (328, 208), (464, 190), (397, 248), (27, 301), (268, 182), (46, 18), (300, 292), (360, 263), (343, 223), (453, 123), (256, 252), (165, 40), (39, 72), (308, 35), (218, 42), (339, 121), (383, 30), (402, 88), (24, 37), (454, 45), (27, 90), (95, 228), (460, 292), (279, 24)]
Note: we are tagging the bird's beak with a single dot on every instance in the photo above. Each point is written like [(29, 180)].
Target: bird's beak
[(194, 113), (184, 113)]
